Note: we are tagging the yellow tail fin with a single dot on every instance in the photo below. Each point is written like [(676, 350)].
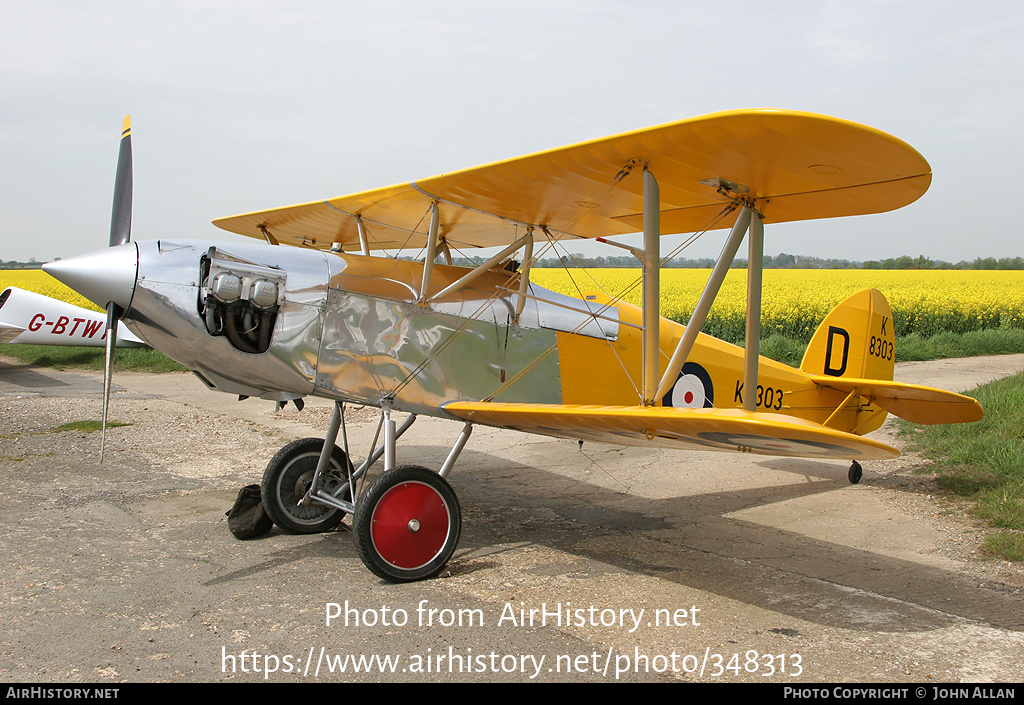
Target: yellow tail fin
[(855, 340)]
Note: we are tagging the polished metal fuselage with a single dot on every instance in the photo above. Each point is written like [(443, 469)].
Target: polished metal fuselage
[(357, 329)]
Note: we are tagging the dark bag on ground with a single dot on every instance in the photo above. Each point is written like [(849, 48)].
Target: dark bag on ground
[(247, 519)]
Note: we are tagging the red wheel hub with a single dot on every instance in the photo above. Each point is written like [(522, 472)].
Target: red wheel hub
[(410, 525)]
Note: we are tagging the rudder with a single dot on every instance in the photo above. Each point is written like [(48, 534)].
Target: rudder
[(855, 340)]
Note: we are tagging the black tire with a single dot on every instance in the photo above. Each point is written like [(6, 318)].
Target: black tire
[(286, 480), (407, 524), (856, 472)]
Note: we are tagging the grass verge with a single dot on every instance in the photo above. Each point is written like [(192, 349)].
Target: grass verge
[(78, 358), (915, 347), (984, 462), (979, 342), (88, 425), (776, 347)]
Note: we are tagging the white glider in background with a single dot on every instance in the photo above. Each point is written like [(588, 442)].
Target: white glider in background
[(34, 319)]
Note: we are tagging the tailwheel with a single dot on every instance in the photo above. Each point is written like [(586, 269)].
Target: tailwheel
[(287, 479), (856, 472), (407, 524)]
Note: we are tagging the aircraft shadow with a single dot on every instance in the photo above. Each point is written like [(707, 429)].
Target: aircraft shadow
[(691, 541)]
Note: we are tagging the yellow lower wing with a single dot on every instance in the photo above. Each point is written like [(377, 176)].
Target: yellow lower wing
[(913, 402), (711, 429)]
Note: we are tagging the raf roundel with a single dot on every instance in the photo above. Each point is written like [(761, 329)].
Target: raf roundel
[(693, 390)]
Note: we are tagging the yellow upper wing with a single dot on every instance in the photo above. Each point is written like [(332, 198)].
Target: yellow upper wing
[(800, 166)]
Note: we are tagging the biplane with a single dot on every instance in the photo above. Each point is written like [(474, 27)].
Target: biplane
[(315, 310)]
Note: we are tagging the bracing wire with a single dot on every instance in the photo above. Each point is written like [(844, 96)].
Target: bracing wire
[(551, 244)]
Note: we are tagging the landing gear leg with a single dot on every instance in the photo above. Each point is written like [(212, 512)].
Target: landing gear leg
[(406, 524), (408, 521)]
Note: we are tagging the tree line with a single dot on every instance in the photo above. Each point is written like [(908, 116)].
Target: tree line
[(14, 264), (780, 261), (786, 261)]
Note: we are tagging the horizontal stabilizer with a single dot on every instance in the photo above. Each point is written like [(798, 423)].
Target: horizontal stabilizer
[(668, 427), (913, 402)]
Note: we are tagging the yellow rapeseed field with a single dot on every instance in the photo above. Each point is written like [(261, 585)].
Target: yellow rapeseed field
[(794, 302), (42, 283)]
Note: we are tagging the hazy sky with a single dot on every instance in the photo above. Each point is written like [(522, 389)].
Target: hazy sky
[(240, 106)]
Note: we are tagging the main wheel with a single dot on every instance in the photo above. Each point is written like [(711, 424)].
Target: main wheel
[(407, 524), (288, 477)]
